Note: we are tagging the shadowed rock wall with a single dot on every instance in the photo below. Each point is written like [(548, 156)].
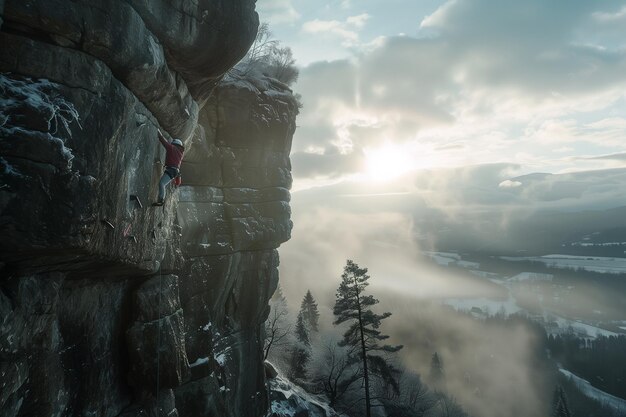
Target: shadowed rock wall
[(108, 306)]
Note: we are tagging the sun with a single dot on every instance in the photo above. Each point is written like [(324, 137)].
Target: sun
[(387, 162)]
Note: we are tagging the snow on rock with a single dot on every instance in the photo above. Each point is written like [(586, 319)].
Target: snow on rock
[(198, 362), (289, 400), (35, 122), (20, 100), (593, 392)]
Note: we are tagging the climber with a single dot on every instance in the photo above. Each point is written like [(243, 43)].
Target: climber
[(173, 156)]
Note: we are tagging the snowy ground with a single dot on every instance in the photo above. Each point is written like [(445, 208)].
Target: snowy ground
[(587, 263), (579, 327), (531, 276), (450, 259), (289, 400), (554, 324), (593, 392)]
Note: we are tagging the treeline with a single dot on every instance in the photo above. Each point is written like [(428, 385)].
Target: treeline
[(349, 362), (601, 361)]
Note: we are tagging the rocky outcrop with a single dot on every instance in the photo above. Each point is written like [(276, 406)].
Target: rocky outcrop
[(233, 212), (108, 306)]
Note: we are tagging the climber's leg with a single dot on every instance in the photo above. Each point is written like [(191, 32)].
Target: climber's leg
[(165, 179)]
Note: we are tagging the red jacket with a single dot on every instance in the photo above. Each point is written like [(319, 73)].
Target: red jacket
[(173, 154)]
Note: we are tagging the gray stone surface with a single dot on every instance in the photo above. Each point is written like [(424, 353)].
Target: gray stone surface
[(95, 284), (156, 351)]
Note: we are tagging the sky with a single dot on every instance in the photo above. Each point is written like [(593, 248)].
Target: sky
[(421, 117), (490, 124), (397, 86)]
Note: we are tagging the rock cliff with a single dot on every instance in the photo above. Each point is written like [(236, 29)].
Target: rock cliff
[(108, 306)]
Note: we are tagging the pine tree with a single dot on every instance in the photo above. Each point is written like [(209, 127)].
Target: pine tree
[(437, 377), (301, 352), (302, 333), (309, 312), (560, 406), (353, 307)]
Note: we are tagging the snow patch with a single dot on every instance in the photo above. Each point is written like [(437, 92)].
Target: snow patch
[(450, 258), (593, 392), (583, 329), (43, 96), (288, 400), (531, 276), (198, 362), (40, 94), (588, 263)]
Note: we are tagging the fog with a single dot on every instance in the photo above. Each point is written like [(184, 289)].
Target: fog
[(491, 369)]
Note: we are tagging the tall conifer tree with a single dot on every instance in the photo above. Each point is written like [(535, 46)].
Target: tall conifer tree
[(362, 337), (560, 406), (309, 311)]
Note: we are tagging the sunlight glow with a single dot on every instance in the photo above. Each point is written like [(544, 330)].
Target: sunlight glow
[(387, 162)]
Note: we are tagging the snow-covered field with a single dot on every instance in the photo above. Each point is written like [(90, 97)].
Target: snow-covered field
[(450, 259), (593, 392), (587, 263), (578, 327), (531, 276), (553, 323)]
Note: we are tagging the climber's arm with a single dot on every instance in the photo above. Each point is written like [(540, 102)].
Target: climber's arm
[(162, 139)]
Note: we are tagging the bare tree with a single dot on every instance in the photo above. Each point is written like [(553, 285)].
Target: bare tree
[(281, 65), (262, 47), (277, 328), (336, 373), (268, 57), (448, 407), (415, 394)]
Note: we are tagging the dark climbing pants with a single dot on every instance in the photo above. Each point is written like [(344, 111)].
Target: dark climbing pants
[(168, 175)]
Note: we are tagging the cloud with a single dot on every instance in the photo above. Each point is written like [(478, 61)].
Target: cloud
[(509, 184), (603, 132), (484, 82), (346, 30), (330, 163), (612, 157), (277, 11), (358, 21), (531, 44), (620, 15)]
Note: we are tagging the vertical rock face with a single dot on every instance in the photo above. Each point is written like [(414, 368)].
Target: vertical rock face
[(109, 306), (234, 213)]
